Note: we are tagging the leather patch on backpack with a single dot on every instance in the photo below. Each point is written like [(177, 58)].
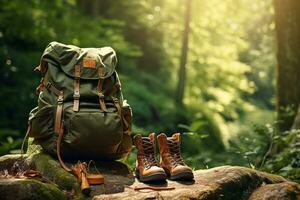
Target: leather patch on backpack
[(89, 62)]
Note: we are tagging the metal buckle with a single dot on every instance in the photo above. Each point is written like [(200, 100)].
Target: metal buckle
[(76, 96), (48, 85), (60, 98), (101, 95), (116, 100)]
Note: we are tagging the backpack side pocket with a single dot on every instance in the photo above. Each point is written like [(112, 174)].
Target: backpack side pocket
[(41, 122)]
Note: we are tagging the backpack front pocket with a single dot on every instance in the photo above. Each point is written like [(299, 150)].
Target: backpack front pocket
[(93, 131)]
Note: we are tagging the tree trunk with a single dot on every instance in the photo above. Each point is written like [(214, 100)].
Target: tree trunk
[(287, 19), (183, 57), (93, 7), (296, 124)]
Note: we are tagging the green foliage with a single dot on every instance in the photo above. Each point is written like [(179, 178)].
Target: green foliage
[(204, 131), (287, 161), (10, 140), (270, 150), (230, 71), (253, 145)]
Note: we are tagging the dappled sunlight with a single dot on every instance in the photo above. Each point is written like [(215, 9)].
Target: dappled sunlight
[(206, 68)]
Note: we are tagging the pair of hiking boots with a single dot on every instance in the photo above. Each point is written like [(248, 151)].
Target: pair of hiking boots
[(171, 163)]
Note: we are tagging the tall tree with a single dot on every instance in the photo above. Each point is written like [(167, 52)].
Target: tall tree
[(287, 19), (93, 7), (183, 57)]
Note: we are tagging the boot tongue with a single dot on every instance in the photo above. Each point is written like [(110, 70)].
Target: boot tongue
[(146, 140), (152, 137), (176, 137), (147, 143), (174, 146)]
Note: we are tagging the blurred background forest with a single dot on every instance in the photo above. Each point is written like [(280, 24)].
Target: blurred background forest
[(205, 68)]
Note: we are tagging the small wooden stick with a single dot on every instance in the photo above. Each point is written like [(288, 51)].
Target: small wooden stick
[(136, 188)]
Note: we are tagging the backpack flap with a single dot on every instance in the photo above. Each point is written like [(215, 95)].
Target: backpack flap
[(93, 62)]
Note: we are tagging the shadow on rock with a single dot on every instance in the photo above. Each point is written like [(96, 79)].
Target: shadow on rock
[(116, 177)]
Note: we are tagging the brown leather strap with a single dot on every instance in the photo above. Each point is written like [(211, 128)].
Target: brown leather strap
[(100, 89), (117, 104), (123, 121), (126, 126), (58, 124), (52, 88), (58, 115), (76, 95), (58, 150), (59, 108), (95, 179), (59, 129), (101, 95)]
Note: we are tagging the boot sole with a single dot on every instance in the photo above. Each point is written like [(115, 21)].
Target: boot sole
[(151, 178), (182, 176)]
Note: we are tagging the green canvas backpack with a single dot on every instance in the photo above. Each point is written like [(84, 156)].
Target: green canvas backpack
[(80, 112)]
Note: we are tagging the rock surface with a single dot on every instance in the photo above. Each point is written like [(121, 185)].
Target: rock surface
[(225, 182)]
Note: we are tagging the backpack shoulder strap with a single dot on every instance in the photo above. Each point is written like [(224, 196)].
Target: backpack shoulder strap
[(76, 95), (58, 123)]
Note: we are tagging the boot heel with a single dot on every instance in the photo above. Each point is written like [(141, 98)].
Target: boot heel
[(137, 173), (167, 172)]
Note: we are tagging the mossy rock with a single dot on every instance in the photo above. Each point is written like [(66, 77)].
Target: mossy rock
[(29, 189), (224, 183), (117, 175)]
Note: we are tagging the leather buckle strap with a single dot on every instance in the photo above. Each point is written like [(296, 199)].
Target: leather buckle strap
[(59, 128), (76, 95), (118, 106), (52, 88), (124, 122), (100, 89), (126, 127), (101, 95), (58, 149), (59, 108), (58, 115), (58, 124), (60, 99)]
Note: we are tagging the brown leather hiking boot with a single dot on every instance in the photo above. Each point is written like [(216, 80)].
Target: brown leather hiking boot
[(147, 168), (170, 158)]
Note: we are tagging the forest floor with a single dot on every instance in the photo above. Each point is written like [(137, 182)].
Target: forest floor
[(39, 176)]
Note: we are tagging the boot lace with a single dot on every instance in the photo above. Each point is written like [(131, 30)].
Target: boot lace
[(149, 154), (175, 155)]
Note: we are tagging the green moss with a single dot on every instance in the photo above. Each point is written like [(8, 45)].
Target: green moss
[(294, 174), (42, 190), (33, 148), (51, 168)]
